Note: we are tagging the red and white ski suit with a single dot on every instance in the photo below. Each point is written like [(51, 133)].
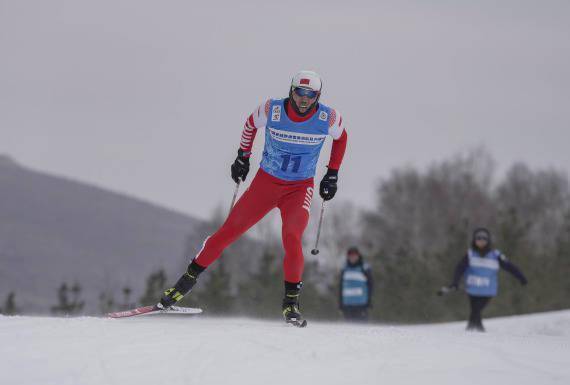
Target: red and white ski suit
[(266, 192)]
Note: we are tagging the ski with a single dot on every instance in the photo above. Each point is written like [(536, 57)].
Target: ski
[(147, 310)]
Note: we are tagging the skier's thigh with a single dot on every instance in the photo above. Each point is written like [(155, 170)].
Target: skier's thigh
[(253, 205), (295, 214)]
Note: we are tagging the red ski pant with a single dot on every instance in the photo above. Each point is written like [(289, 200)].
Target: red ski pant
[(293, 198)]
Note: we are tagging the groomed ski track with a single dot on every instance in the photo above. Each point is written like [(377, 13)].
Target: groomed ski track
[(173, 350)]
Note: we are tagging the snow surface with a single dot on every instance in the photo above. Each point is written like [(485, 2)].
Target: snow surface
[(533, 349)]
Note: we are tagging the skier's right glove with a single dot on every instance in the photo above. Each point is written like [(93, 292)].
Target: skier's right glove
[(240, 168), (328, 186)]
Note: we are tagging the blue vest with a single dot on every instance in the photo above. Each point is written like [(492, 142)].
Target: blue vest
[(354, 286), (292, 149), (481, 277)]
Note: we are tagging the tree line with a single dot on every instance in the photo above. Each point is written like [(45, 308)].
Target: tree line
[(419, 229), (421, 226)]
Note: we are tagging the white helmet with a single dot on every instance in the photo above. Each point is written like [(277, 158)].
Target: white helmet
[(307, 79)]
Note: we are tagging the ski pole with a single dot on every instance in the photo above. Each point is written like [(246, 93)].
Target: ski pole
[(315, 251), (235, 196)]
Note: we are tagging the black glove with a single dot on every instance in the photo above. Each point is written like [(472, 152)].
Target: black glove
[(240, 168), (328, 187), (524, 281)]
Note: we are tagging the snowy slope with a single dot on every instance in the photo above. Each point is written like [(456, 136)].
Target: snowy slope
[(198, 350)]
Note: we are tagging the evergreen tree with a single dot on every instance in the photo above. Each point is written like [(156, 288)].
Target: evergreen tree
[(63, 301), (215, 297), (76, 303), (261, 294), (155, 286), (67, 306), (127, 299), (10, 305), (106, 302), (562, 266)]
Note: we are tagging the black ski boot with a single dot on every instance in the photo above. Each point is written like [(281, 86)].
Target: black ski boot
[(290, 305), (182, 286)]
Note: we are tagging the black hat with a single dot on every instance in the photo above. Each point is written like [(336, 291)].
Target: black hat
[(353, 249), (482, 231)]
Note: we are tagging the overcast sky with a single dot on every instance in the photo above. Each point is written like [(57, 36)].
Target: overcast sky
[(149, 97)]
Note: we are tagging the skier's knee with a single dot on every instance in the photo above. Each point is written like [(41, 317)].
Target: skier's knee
[(291, 238)]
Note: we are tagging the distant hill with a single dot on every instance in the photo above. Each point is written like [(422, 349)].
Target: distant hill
[(54, 229)]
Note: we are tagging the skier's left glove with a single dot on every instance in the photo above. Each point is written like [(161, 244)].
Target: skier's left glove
[(447, 289), (240, 168), (328, 187)]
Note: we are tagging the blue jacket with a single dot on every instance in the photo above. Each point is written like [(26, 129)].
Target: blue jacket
[(356, 285), (481, 272)]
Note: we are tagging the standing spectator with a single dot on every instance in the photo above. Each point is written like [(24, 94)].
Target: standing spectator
[(356, 287), (480, 266)]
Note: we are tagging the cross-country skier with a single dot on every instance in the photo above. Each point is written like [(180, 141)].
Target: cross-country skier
[(480, 266), (295, 129)]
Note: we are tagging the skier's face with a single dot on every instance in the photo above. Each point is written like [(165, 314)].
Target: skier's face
[(304, 100), (353, 257), (481, 241)]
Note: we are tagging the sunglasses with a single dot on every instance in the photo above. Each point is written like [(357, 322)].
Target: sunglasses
[(299, 91), (481, 238)]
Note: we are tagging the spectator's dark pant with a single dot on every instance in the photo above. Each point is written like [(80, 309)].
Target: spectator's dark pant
[(355, 313), (477, 306)]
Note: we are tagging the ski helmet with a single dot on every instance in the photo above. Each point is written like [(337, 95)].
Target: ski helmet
[(308, 80)]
